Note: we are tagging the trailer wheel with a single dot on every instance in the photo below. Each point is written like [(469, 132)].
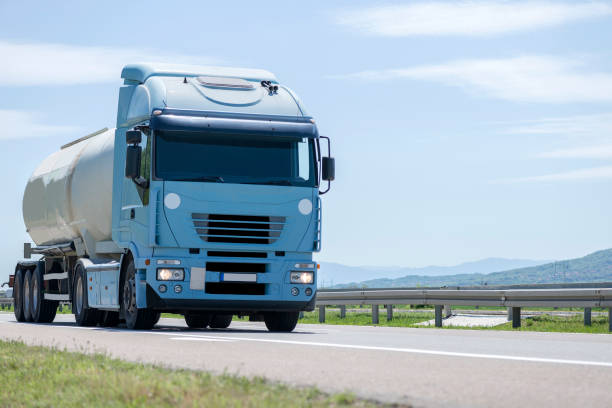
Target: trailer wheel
[(135, 318), (43, 311), (27, 303), (221, 321), (197, 320), (18, 296), (281, 321), (83, 314)]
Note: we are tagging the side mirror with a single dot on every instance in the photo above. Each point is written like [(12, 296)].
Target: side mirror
[(132, 161), (133, 137), (328, 169)]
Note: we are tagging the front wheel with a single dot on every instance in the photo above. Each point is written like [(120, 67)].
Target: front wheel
[(281, 321), (197, 320), (221, 321), (135, 318)]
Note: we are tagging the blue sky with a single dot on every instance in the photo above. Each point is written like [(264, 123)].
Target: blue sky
[(462, 130)]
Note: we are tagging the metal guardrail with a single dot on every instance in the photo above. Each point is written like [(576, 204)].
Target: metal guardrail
[(6, 303), (513, 297)]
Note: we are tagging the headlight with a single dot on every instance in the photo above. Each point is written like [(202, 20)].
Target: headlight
[(302, 277), (167, 274)]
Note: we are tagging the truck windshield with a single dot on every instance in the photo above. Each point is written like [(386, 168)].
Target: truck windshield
[(194, 156)]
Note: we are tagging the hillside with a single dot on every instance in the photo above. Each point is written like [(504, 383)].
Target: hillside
[(332, 274), (595, 267)]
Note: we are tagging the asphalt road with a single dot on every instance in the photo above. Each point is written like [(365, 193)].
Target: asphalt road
[(422, 367)]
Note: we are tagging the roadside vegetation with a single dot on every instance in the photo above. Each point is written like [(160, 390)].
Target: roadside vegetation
[(41, 377), (541, 323)]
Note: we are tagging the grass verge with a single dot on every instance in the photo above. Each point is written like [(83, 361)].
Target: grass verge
[(540, 323), (41, 377), (365, 319)]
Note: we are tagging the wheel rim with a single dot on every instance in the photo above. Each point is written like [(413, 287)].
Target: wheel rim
[(26, 296), (34, 296), (129, 296), (79, 296)]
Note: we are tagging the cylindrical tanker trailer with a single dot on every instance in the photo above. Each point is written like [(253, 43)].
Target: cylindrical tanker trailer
[(70, 192), (203, 200)]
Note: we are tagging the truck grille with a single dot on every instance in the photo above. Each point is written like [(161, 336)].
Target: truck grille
[(238, 229)]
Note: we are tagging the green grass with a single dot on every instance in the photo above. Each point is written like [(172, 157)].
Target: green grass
[(365, 319), (541, 323), (41, 377), (548, 323)]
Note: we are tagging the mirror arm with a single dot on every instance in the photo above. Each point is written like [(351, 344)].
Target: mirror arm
[(141, 182), (328, 188)]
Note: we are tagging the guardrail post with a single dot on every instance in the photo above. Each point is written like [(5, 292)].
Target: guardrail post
[(438, 312), (509, 314), (610, 319), (321, 314), (342, 311), (61, 308), (389, 313), (516, 317), (587, 316), (374, 314), (448, 311)]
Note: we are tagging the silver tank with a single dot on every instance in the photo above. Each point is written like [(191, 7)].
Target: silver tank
[(69, 195)]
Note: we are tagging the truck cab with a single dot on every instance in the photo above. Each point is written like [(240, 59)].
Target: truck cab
[(215, 204)]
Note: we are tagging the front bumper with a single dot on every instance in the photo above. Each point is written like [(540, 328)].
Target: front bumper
[(272, 289)]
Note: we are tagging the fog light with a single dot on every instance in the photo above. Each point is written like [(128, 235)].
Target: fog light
[(308, 291), (170, 274), (295, 291), (178, 289), (302, 277), (162, 288)]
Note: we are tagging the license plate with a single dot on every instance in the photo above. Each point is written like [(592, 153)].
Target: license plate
[(239, 277)]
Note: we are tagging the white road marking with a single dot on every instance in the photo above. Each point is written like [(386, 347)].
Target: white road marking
[(193, 336), (202, 339), (415, 351)]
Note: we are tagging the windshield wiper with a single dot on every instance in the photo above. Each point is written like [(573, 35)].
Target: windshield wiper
[(271, 182), (217, 179)]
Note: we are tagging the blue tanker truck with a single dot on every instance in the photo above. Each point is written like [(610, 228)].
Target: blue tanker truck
[(204, 201)]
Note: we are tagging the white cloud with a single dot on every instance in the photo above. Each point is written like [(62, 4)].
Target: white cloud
[(523, 79), (468, 17), (596, 173), (27, 64), (584, 152), (20, 124), (598, 125)]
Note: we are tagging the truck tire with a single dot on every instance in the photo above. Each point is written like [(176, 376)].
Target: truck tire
[(27, 304), (135, 318), (83, 314), (197, 320), (108, 318), (221, 321), (42, 310), (18, 296), (281, 321)]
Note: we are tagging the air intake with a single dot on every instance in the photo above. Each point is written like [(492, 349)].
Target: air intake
[(238, 229)]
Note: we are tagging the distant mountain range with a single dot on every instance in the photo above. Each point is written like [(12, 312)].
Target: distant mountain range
[(332, 274), (595, 267)]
